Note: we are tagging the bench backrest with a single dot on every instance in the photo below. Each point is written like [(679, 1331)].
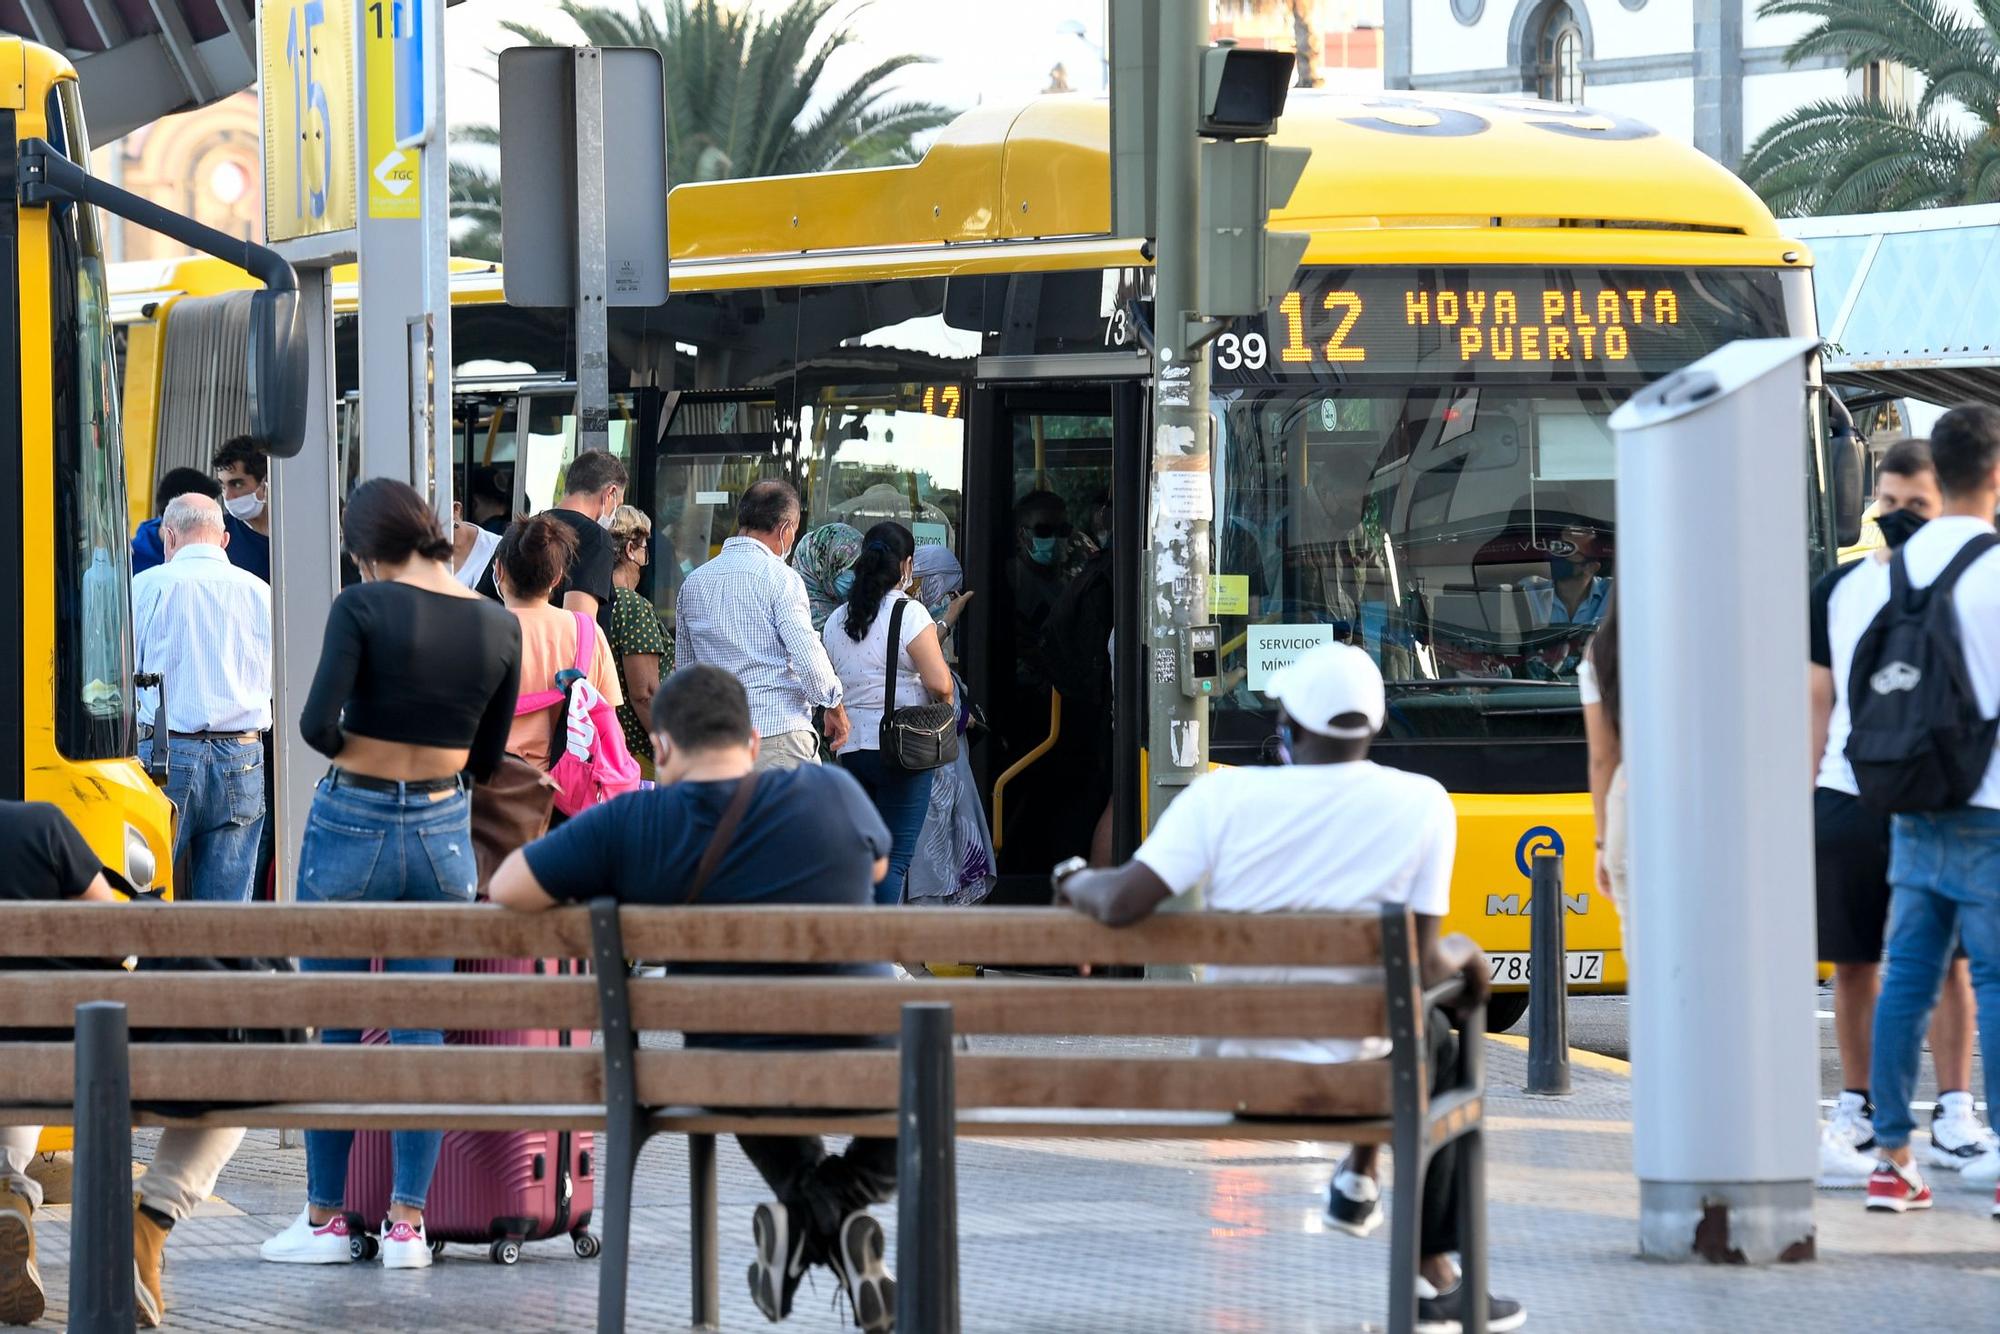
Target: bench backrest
[(1149, 1075)]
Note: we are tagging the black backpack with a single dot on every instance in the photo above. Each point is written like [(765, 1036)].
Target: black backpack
[(1918, 741)]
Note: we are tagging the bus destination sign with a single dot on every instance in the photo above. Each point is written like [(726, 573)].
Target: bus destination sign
[(1562, 324)]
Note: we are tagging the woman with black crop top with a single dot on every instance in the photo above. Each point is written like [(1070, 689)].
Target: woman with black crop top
[(415, 690)]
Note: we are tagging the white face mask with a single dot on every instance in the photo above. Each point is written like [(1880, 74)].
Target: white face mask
[(246, 506)]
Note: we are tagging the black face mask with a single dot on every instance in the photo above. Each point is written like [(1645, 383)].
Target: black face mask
[(1898, 526)]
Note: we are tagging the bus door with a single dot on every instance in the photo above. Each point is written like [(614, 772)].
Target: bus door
[(1053, 542)]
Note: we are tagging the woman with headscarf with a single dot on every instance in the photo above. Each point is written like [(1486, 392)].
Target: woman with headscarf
[(940, 581), (825, 559), (954, 857)]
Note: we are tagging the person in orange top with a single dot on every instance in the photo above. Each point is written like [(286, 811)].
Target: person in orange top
[(530, 562)]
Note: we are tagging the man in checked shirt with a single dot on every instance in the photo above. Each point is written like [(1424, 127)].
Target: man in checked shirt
[(746, 612)]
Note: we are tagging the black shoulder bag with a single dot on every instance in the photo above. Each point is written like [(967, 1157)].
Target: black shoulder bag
[(922, 736)]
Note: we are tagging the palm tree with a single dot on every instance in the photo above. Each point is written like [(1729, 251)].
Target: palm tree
[(745, 97), (1861, 155)]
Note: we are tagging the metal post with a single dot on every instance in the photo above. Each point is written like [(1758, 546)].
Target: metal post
[(1548, 980), (625, 1128), (927, 1175), (1725, 1049), (593, 327), (100, 1241), (1178, 725), (701, 1226)]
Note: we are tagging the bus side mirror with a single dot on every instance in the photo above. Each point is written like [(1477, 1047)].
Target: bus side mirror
[(277, 373), (1848, 498)]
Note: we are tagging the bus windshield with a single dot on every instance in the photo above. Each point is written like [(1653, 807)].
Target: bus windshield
[(1463, 536)]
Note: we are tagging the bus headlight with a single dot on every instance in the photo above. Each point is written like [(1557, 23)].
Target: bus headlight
[(140, 864)]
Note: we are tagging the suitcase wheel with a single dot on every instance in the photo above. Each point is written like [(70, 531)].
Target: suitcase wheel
[(505, 1252), (587, 1246), (363, 1246), (437, 1250)]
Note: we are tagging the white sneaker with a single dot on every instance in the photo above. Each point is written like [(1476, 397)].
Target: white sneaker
[(1983, 1172), (1841, 1165), (1957, 1137), (405, 1246), (1852, 1121), (1353, 1202), (304, 1244)]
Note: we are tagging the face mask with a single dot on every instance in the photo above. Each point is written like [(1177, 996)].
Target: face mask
[(1042, 550), (1562, 569), (246, 506), (1104, 539), (1898, 525), (604, 519), (843, 583)]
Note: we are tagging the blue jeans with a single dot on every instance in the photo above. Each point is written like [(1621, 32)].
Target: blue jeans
[(1945, 872), (364, 846), (218, 788), (902, 799)]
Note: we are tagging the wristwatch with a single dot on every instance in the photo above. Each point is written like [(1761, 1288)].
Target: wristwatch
[(1064, 870)]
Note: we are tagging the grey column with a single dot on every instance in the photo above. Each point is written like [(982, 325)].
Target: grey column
[(1397, 43), (1725, 1049), (305, 575), (1718, 80)]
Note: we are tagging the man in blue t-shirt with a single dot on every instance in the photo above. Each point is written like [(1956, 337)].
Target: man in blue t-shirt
[(806, 835)]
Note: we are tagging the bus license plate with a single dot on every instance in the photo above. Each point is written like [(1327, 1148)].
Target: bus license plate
[(1585, 967)]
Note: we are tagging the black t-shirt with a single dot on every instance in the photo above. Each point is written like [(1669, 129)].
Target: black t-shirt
[(403, 663), (810, 836), (47, 861), (1822, 596), (590, 569)]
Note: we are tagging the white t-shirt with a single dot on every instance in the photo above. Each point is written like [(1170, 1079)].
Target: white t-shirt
[(484, 544), (862, 666), (1308, 838), (1861, 595)]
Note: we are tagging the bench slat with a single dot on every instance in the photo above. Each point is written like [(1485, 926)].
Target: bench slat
[(871, 1079), (1035, 936), (256, 1073), (704, 1004), (989, 1122), (259, 1073)]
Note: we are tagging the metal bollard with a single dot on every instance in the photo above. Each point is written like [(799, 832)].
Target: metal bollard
[(100, 1239), (1548, 981), (927, 1176)]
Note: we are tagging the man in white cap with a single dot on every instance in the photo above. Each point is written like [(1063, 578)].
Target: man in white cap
[(1330, 831)]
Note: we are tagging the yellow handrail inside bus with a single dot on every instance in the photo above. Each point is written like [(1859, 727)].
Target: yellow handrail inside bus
[(492, 434), (1014, 770)]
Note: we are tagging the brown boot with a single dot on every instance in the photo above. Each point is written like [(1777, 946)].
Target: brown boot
[(149, 1244), (21, 1298)]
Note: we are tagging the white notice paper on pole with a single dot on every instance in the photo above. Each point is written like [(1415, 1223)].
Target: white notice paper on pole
[(1184, 495), (1269, 647)]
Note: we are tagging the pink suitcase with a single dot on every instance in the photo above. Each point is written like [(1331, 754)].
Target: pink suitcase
[(497, 1187)]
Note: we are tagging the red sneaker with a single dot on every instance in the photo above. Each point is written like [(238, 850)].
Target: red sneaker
[(1899, 1189)]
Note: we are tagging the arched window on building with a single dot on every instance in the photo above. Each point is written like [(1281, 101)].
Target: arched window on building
[(1559, 56)]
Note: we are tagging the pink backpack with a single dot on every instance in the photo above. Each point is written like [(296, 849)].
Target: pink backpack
[(594, 765)]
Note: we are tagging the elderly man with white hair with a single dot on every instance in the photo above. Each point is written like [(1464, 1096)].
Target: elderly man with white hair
[(205, 626)]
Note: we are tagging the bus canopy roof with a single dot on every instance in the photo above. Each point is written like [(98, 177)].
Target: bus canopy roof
[(1909, 303)]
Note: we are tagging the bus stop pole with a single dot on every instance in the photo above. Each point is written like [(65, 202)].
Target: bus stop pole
[(1178, 517), (1712, 651)]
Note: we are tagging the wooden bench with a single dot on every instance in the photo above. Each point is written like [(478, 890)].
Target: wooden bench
[(629, 1092)]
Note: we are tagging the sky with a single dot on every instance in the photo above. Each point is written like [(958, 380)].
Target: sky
[(983, 51)]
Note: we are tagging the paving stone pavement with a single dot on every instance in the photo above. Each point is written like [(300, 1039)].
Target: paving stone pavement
[(1074, 1237)]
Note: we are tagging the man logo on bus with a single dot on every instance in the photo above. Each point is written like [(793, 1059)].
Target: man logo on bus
[(1896, 676), (1541, 838)]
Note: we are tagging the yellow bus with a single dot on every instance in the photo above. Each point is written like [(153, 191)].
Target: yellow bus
[(68, 730), (1411, 450)]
